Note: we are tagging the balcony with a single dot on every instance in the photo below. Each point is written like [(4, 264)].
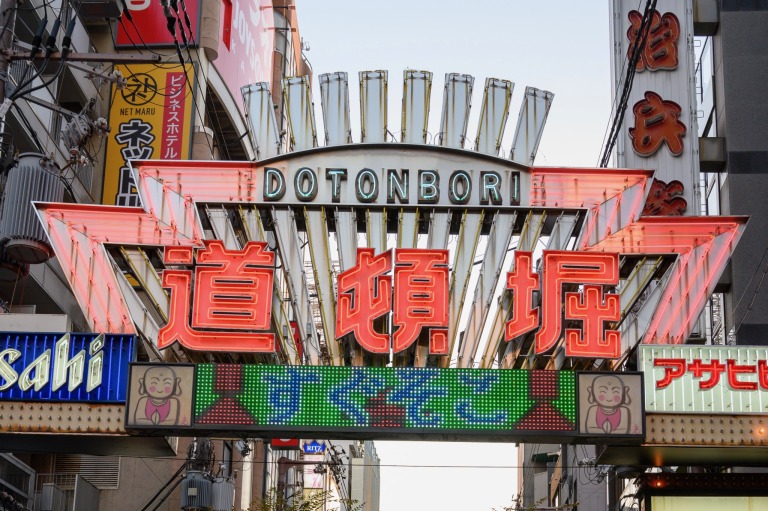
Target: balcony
[(70, 90), (64, 492), (16, 482)]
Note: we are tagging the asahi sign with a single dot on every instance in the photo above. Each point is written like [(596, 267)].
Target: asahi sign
[(705, 379), (64, 367)]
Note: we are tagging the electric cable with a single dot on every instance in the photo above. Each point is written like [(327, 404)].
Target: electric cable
[(405, 465), (66, 43), (128, 35), (200, 70), (37, 40), (754, 293), (171, 24), (50, 46), (616, 97), (127, 13), (32, 132), (636, 49), (45, 5)]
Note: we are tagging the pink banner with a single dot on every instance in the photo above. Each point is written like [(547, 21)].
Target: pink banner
[(246, 44)]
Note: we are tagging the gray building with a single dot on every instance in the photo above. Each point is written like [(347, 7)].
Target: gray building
[(731, 61), (364, 475), (736, 134)]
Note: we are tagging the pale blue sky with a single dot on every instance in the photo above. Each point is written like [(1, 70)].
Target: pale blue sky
[(559, 46)]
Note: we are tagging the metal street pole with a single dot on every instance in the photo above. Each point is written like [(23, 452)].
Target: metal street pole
[(117, 58), (8, 20)]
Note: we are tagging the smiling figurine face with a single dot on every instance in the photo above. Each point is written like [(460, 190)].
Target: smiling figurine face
[(608, 391), (159, 382)]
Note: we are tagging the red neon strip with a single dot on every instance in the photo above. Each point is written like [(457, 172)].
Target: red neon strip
[(581, 187), (105, 307), (697, 302)]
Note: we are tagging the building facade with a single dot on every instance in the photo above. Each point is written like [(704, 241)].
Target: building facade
[(219, 82), (728, 137), (167, 83)]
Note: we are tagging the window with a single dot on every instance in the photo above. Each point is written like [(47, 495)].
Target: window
[(226, 36), (226, 458)]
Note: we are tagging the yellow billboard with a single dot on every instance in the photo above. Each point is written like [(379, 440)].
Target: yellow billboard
[(151, 118)]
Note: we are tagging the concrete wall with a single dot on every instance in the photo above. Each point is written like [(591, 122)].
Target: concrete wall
[(741, 65), (141, 478)]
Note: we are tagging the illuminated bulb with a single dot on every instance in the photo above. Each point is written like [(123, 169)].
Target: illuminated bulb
[(658, 484), (761, 431)]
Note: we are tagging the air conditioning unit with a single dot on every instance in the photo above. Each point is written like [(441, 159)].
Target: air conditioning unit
[(100, 10), (52, 498)]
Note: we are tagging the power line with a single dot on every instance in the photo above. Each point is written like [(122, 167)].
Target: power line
[(402, 465), (754, 293), (128, 15), (616, 97), (65, 51), (638, 45), (171, 29)]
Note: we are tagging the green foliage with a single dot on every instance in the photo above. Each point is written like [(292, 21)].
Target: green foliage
[(313, 501), (540, 505)]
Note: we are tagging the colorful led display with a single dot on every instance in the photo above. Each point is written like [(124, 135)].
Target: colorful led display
[(91, 368), (386, 400)]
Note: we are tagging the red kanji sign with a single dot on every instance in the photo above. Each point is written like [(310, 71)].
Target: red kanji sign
[(656, 123), (660, 50), (232, 299), (230, 306), (675, 368), (522, 283), (365, 295), (592, 307), (420, 299), (665, 199)]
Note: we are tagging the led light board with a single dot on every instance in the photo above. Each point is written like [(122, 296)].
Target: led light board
[(88, 368), (386, 401)]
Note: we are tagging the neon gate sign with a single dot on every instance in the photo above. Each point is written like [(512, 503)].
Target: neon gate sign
[(231, 301)]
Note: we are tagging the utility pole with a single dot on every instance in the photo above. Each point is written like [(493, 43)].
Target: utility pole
[(8, 20), (8, 54)]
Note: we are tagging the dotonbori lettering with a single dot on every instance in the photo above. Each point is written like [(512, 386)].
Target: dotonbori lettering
[(339, 185)]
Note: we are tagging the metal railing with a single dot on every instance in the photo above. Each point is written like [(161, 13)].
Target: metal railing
[(64, 492)]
